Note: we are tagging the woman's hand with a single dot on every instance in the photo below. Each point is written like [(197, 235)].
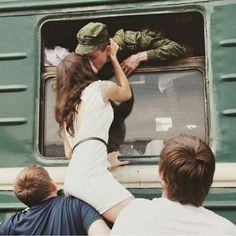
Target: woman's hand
[(112, 157), (113, 49), (120, 91)]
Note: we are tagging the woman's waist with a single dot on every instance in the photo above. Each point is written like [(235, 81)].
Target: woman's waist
[(90, 138), (90, 146), (87, 160)]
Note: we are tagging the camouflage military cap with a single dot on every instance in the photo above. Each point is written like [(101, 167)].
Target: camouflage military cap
[(90, 37)]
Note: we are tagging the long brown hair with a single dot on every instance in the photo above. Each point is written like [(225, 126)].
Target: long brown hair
[(74, 74)]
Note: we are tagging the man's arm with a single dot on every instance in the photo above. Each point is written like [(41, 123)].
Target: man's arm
[(92, 221), (164, 50), (99, 227), (146, 46), (132, 62), (7, 226)]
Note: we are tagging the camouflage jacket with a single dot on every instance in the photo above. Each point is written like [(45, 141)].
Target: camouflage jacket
[(157, 46)]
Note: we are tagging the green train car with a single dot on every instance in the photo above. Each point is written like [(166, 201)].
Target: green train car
[(195, 94)]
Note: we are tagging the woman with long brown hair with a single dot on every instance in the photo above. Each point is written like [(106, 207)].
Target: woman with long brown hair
[(84, 113)]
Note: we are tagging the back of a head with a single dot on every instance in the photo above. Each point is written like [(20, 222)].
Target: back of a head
[(73, 74), (187, 166), (73, 71), (32, 185), (92, 37)]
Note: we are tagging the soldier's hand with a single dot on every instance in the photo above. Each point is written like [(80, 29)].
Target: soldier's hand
[(114, 162), (132, 62)]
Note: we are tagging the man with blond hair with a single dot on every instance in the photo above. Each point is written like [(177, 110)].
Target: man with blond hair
[(49, 214), (186, 171)]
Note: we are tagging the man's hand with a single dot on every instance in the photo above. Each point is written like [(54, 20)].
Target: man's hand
[(113, 48), (112, 157), (132, 62)]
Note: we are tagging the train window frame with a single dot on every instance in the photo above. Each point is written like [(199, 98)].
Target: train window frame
[(82, 18), (180, 65)]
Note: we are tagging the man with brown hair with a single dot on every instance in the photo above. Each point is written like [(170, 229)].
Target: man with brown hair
[(186, 171), (49, 214)]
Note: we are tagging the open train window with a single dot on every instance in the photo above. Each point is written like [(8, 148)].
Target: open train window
[(169, 97)]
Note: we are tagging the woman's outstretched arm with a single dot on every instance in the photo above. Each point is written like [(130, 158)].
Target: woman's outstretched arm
[(120, 91)]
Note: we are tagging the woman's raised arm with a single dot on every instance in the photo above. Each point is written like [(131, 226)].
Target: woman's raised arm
[(120, 91)]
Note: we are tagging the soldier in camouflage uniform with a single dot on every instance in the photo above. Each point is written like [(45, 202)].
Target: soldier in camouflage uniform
[(145, 45), (133, 48)]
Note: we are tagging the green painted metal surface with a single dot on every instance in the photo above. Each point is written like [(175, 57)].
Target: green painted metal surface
[(18, 66), (20, 73), (9, 204), (223, 55), (19, 5), (20, 62)]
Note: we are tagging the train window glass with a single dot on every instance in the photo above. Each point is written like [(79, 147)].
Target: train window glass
[(53, 145), (166, 104)]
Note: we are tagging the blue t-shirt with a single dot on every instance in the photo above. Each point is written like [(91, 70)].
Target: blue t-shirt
[(55, 216)]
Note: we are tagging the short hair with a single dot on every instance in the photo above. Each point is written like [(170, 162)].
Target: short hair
[(32, 185), (187, 166), (103, 46)]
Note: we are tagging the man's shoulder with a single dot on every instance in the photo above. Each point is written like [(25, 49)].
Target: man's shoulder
[(64, 201), (140, 201), (59, 203), (7, 225), (220, 223), (77, 204), (132, 217), (137, 205), (71, 200), (224, 226)]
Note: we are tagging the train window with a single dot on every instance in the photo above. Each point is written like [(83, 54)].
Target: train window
[(52, 143), (168, 100), (166, 104)]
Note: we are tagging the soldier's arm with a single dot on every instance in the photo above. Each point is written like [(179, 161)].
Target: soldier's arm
[(132, 43), (145, 48), (164, 50)]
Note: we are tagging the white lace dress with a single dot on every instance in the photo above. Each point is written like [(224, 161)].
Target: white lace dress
[(87, 177)]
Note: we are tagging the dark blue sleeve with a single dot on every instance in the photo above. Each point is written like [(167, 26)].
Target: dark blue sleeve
[(88, 215), (2, 228), (5, 227)]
